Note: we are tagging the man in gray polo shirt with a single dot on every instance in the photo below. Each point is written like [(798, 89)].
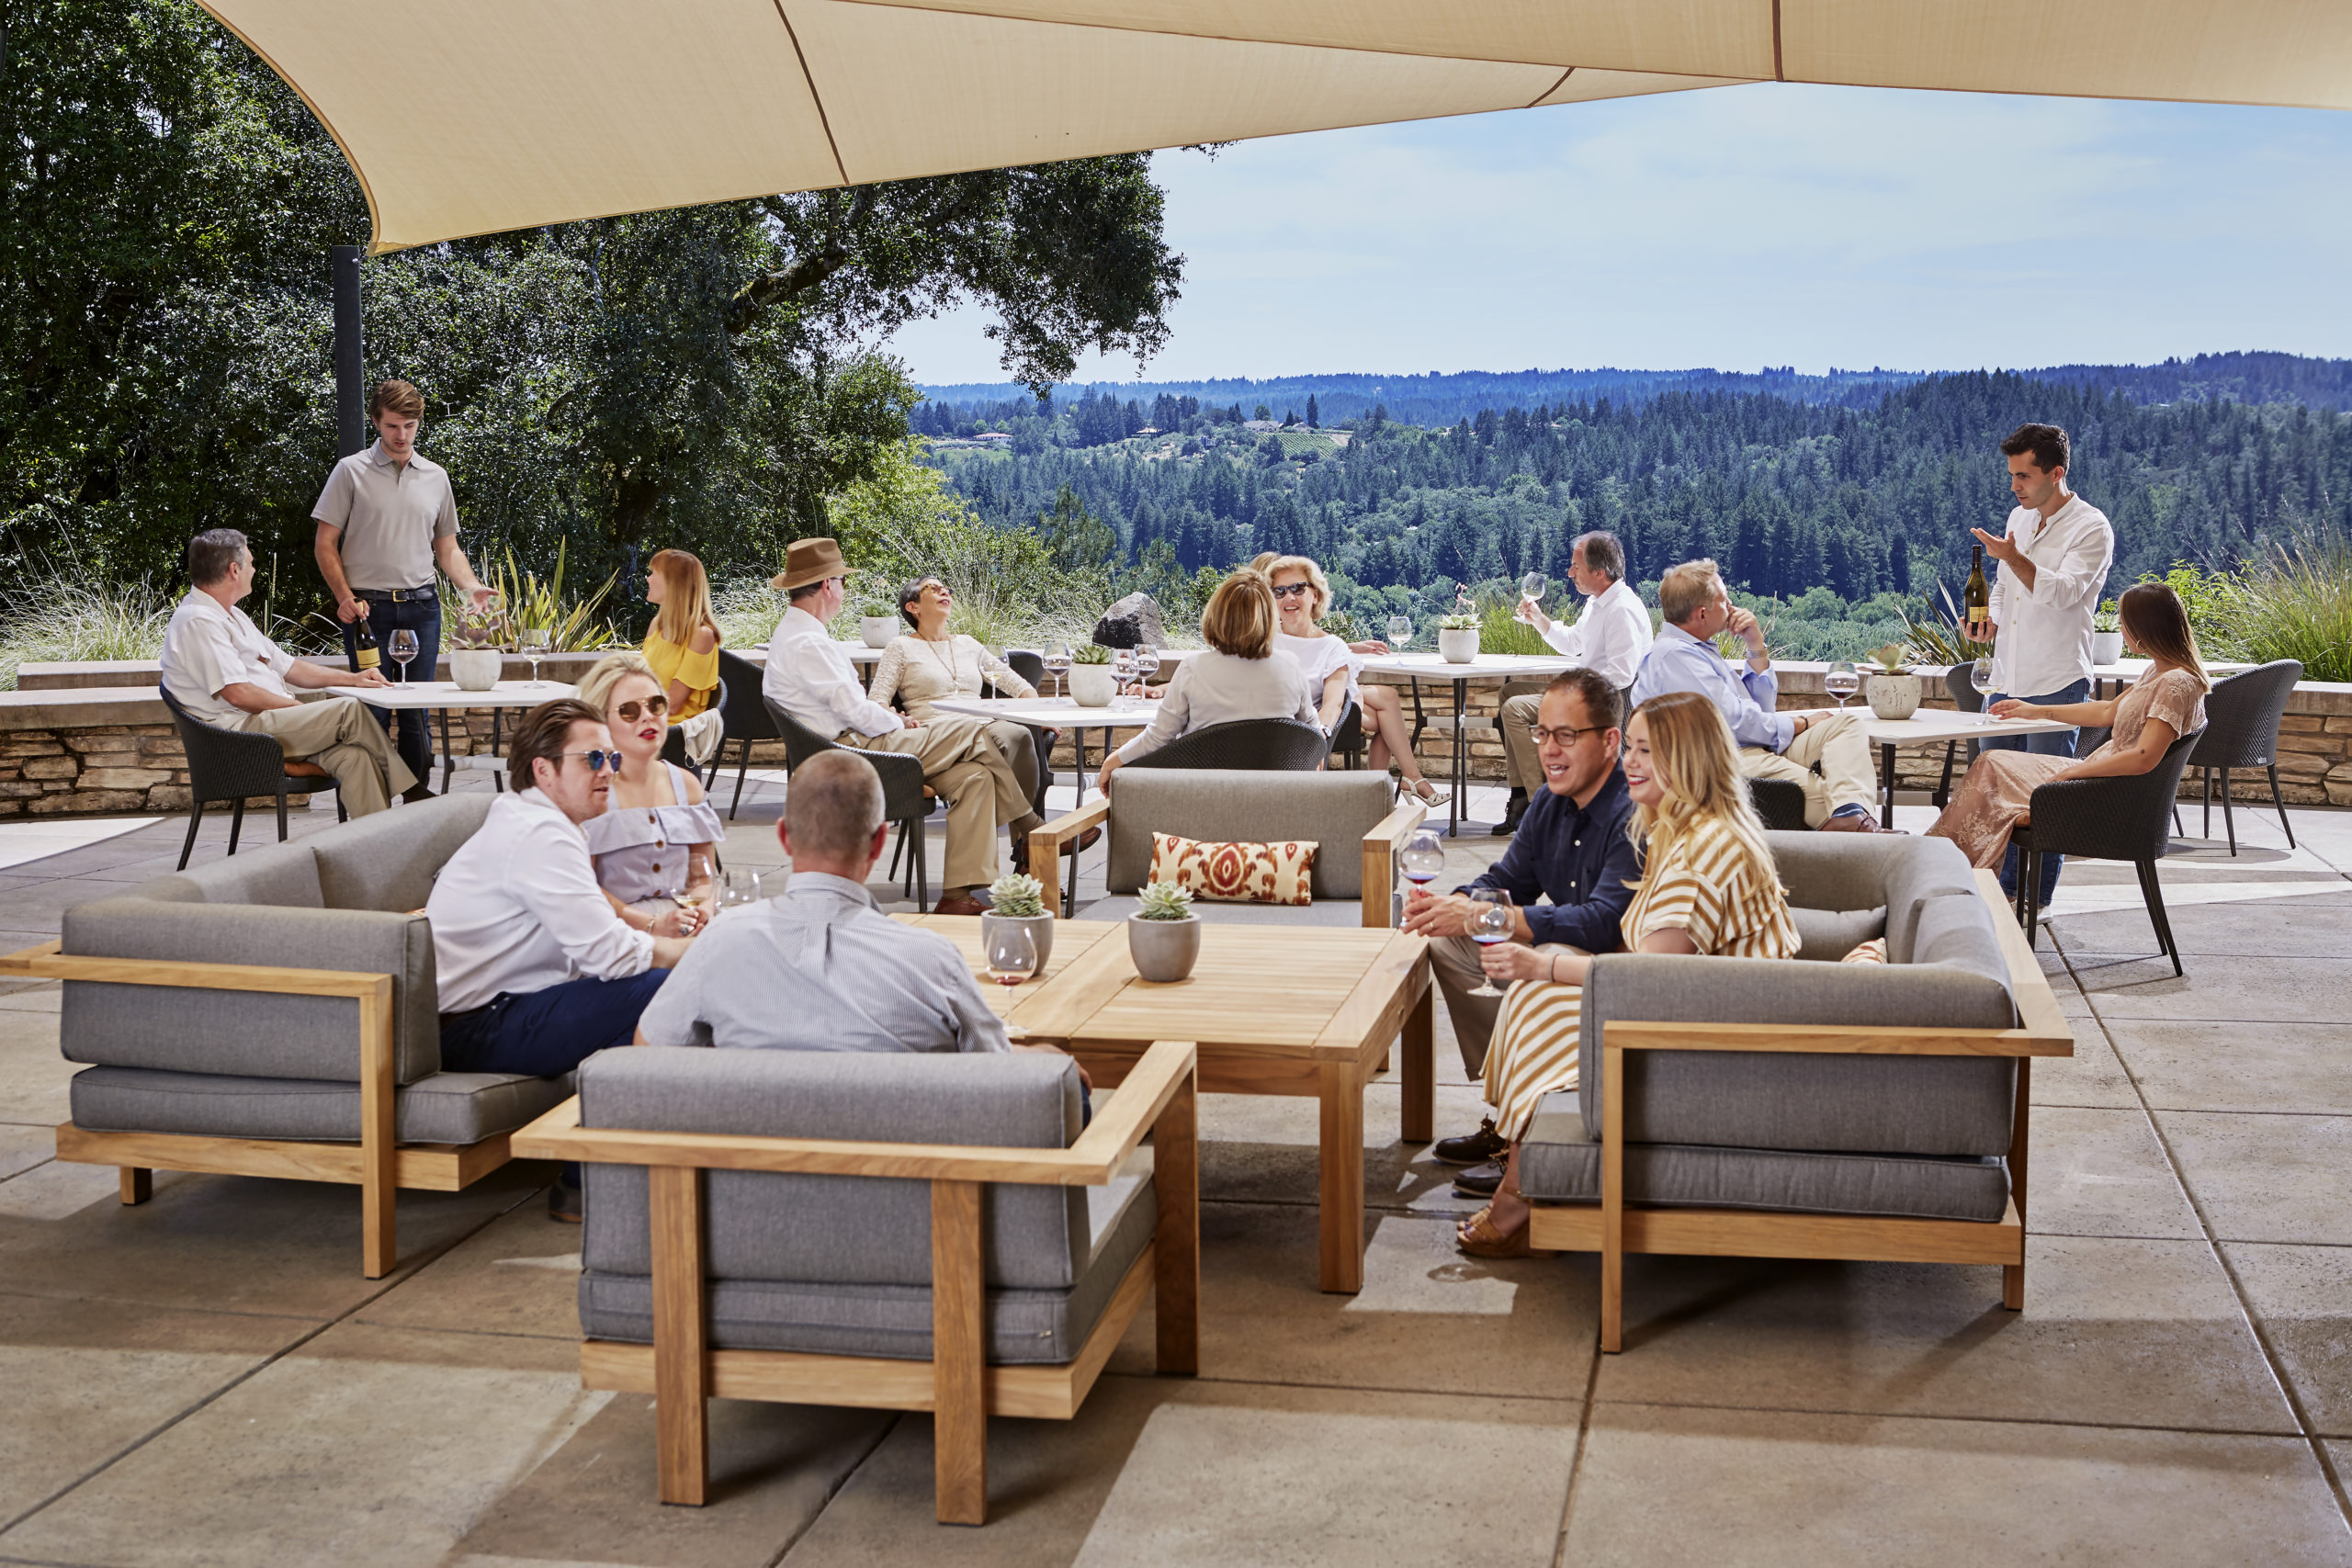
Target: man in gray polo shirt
[(386, 516)]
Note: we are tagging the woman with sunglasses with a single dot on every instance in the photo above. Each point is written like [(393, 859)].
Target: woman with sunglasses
[(1301, 595), (652, 844)]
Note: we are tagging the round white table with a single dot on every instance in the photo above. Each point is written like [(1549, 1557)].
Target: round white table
[(1057, 713), (1417, 668), (440, 697)]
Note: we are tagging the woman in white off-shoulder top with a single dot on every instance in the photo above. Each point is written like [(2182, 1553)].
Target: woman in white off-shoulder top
[(1241, 674)]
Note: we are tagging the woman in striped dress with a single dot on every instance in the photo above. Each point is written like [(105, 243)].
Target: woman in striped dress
[(1708, 888)]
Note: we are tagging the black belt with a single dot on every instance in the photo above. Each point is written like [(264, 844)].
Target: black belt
[(396, 595)]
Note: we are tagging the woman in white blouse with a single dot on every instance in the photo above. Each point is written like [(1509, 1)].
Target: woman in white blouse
[(1241, 674), (1301, 595), (921, 666)]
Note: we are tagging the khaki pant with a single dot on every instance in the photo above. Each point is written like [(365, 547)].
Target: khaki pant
[(968, 770), (344, 736), (1018, 744), (1453, 960), (1521, 700), (1837, 743)]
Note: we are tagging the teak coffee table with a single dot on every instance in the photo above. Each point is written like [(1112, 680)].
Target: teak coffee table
[(1274, 1010)]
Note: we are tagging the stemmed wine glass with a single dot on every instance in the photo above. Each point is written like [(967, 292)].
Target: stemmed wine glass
[(1532, 588), (1012, 954), (1123, 671), (1401, 629), (404, 648), (1422, 859), (1985, 675), (1842, 681), (536, 644), (1146, 665), (1490, 922), (1057, 665), (739, 884)]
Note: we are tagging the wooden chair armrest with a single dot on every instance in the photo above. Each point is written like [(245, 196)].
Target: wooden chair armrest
[(1090, 1162), (46, 961), (1380, 847), (1068, 825), (1832, 1040), (2036, 1005), (1393, 829)]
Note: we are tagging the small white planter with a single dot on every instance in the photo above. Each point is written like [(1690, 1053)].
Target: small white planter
[(1892, 696), (2106, 646), (1458, 647), (877, 630), (1164, 951), (1091, 685), (1039, 927), (476, 668)]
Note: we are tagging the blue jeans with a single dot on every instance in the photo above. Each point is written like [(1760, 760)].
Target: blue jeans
[(423, 616), (2050, 743)]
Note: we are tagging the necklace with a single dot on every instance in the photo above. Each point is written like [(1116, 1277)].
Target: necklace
[(946, 661)]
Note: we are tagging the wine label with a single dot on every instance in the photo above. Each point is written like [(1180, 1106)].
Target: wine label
[(370, 658)]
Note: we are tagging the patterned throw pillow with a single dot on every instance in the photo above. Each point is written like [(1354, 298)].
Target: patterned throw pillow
[(1236, 873), (1871, 952)]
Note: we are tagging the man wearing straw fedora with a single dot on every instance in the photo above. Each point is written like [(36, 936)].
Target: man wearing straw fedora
[(810, 678)]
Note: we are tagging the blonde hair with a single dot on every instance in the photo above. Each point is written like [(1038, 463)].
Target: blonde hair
[(1239, 616), (1685, 590), (596, 686), (1318, 585), (686, 598), (1696, 766)]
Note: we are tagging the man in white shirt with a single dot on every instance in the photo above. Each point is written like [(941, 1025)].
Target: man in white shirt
[(2053, 557), (1611, 634), (226, 673), (812, 679)]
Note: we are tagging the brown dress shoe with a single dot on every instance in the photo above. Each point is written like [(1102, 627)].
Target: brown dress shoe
[(1480, 1180), (956, 903), (1471, 1148)]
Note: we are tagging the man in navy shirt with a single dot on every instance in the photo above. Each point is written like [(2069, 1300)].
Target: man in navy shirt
[(1572, 849)]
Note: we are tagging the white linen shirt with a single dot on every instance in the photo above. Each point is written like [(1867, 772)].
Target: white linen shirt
[(517, 909), (810, 678), (209, 645), (1210, 687), (1611, 634), (2044, 643)]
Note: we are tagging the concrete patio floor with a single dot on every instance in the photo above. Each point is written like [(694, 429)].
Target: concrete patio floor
[(206, 1378)]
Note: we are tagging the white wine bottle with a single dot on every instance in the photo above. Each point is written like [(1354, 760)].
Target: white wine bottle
[(1978, 597)]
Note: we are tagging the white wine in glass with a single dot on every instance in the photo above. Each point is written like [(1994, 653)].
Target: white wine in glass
[(1985, 675), (1401, 630)]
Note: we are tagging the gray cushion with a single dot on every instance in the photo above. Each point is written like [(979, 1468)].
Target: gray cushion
[(1336, 809), (279, 874), (1036, 1326), (837, 1229), (1957, 929), (1322, 912), (1561, 1162), (1825, 936), (1917, 1105), (253, 1035), (1856, 871), (447, 1108), (389, 861)]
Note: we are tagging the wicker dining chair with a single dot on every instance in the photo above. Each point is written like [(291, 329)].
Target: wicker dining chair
[(235, 766)]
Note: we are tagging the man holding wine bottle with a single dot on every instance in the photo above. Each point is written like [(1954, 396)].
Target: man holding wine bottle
[(386, 516), (2053, 553)]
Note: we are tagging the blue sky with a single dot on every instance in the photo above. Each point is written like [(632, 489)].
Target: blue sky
[(1749, 226)]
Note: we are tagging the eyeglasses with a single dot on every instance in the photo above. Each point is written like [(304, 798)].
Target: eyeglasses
[(628, 711), (1288, 588), (1564, 735), (599, 761)]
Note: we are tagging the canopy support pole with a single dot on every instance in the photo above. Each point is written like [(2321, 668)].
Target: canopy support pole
[(350, 398)]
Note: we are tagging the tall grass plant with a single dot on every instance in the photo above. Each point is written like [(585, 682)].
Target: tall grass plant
[(2294, 602), (52, 615)]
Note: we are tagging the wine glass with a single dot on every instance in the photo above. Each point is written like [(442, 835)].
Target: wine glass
[(1532, 588), (1985, 675), (1401, 630), (1422, 860), (1011, 953), (1123, 671), (1057, 665), (404, 648), (738, 884), (1146, 665), (1490, 922), (536, 642), (1842, 681)]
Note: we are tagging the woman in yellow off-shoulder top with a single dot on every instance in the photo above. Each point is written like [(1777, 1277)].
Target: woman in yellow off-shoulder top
[(682, 648)]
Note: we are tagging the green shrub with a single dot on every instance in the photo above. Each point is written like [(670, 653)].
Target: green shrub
[(50, 617), (2295, 603)]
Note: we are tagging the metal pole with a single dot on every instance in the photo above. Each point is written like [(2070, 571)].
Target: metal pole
[(350, 398)]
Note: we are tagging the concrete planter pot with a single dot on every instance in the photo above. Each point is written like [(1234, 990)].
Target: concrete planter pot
[(1039, 927), (1892, 696), (1091, 685), (877, 630), (1458, 647), (475, 669), (2106, 646), (1164, 951)]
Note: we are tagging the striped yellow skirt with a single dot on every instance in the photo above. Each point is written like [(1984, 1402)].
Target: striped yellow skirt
[(1534, 1051)]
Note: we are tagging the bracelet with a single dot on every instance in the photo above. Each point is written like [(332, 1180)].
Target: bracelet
[(1552, 970)]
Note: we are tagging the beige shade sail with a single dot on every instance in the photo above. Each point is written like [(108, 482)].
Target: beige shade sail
[(469, 116)]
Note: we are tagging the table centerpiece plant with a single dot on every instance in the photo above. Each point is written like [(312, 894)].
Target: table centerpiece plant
[(1457, 638), (1892, 686), (878, 622), (1090, 683), (2107, 633), (1163, 935), (478, 640)]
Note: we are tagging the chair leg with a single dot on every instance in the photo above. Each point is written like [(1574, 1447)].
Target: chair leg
[(341, 813), (2029, 892), (2279, 802), (2152, 891), (958, 1350), (236, 823), (742, 766), (195, 815), (2207, 775), (2229, 821), (681, 1359), (281, 810), (1942, 797), (922, 867), (897, 852), (137, 1183)]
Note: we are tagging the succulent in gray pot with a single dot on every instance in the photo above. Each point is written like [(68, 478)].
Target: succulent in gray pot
[(878, 622), (1892, 687), (1163, 935), (1020, 900)]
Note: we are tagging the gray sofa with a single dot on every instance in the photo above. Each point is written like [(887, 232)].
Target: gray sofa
[(1872, 1111), (212, 1043)]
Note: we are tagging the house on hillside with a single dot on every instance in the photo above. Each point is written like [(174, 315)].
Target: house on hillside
[(1259, 425)]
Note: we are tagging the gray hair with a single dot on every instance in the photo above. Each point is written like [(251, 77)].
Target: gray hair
[(210, 555), (1603, 553), (834, 805)]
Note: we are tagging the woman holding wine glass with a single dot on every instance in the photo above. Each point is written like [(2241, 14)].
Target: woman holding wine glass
[(1708, 887), (1302, 594), (652, 846)]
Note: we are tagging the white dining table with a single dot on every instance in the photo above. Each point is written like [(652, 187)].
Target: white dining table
[(1928, 726), (440, 697), (1057, 713), (1420, 667)]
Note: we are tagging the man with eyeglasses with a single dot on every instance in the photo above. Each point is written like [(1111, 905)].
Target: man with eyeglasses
[(1573, 849), (537, 972)]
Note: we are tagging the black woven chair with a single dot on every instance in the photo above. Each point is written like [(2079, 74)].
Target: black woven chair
[(1967, 699), (1257, 745), (743, 715), (2113, 819), (1347, 736), (903, 800), (2242, 717), (1780, 803), (1029, 666), (236, 766)]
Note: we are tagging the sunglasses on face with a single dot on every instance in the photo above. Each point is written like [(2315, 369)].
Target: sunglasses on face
[(1288, 588), (599, 761), (654, 707)]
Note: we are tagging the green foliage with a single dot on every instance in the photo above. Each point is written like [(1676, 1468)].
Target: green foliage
[(533, 601), (1499, 628), (746, 609), (1164, 901), (47, 615), (876, 608), (2108, 618), (1938, 637), (2294, 602), (1090, 653), (1017, 896), (2204, 594)]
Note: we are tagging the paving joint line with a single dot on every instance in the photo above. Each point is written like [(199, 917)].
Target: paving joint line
[(1576, 1459), (2279, 1435)]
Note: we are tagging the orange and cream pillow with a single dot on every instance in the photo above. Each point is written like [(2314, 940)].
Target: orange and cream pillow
[(1238, 873), (1871, 952)]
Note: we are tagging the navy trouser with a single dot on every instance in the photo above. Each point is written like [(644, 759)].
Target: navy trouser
[(547, 1033), (2050, 743), (422, 616)]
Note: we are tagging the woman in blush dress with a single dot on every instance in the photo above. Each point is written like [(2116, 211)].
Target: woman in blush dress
[(2166, 702), (652, 844), (1302, 594)]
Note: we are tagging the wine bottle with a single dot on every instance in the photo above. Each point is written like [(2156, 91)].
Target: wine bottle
[(365, 655), (1979, 598)]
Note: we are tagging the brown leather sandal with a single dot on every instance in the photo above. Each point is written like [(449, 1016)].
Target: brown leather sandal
[(1480, 1238)]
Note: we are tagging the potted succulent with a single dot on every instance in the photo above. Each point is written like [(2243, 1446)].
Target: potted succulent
[(1090, 683), (878, 622), (1457, 638), (476, 658), (1019, 900), (2107, 633), (1893, 688), (1163, 935)]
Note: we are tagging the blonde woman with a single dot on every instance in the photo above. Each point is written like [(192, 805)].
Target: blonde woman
[(1301, 595), (1241, 674), (652, 843), (1708, 888), (683, 650), (921, 666)]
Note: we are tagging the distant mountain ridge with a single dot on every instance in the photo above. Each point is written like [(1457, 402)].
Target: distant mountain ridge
[(1434, 398)]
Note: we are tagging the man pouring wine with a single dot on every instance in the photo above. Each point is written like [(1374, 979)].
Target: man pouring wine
[(2054, 555)]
